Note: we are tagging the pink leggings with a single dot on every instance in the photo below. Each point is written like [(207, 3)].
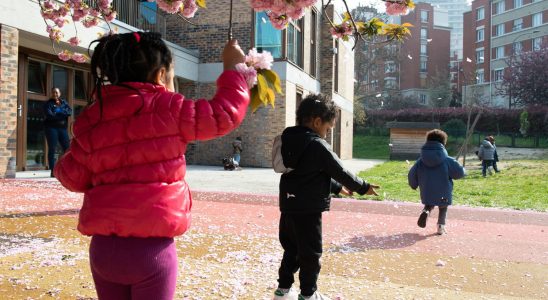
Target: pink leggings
[(133, 268)]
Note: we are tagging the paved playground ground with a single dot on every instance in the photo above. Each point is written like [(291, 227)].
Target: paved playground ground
[(372, 250)]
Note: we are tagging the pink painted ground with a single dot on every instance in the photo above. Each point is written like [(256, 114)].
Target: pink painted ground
[(492, 234)]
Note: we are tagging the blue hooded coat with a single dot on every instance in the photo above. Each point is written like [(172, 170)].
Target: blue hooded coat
[(434, 172)]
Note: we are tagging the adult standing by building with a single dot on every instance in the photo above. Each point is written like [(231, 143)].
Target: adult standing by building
[(237, 149), (57, 112)]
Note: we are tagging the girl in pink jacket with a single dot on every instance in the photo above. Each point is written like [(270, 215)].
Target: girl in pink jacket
[(127, 157)]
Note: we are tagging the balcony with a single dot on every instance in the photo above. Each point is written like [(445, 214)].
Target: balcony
[(139, 14)]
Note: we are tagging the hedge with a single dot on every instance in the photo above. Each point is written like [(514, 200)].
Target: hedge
[(493, 120)]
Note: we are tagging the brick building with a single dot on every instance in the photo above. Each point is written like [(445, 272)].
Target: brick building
[(28, 71), (493, 31), (307, 59), (407, 68)]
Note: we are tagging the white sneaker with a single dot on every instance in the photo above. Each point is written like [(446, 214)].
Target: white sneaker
[(317, 296), (283, 294), (441, 229)]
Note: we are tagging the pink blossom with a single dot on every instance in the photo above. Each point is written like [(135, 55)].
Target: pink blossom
[(169, 6), (79, 57), (54, 33), (74, 41), (90, 22), (278, 21), (60, 22), (104, 4), (65, 55), (189, 8), (395, 9), (260, 5), (258, 60), (342, 30), (94, 12), (49, 4), (79, 14), (109, 15), (295, 12), (304, 3), (279, 7), (250, 74)]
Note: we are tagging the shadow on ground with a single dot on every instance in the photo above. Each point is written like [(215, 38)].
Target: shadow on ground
[(372, 242)]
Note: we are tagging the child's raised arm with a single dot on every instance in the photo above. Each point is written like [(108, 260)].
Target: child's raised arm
[(203, 119)]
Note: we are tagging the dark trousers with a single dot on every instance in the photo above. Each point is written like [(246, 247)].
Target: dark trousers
[(53, 136), (442, 213), (484, 165), (133, 268), (301, 239)]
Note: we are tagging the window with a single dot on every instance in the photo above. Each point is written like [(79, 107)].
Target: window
[(60, 79), (498, 30), (480, 14), (313, 43), (389, 67), (479, 35), (424, 16), (267, 37), (518, 24), (37, 77), (422, 99), (499, 7), (295, 42), (424, 33), (480, 57), (537, 42), (80, 85), (518, 3), (499, 52), (423, 49), (517, 47), (499, 74), (480, 78), (423, 66), (537, 19)]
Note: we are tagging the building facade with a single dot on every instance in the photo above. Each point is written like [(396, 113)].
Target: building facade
[(406, 69), (494, 31), (307, 59), (28, 71)]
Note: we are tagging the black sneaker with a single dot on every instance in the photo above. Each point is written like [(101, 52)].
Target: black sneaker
[(422, 219)]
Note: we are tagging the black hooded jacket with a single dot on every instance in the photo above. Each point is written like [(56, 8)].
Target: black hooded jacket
[(317, 174)]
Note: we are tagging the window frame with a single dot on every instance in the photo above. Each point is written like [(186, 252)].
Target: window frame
[(478, 30), (480, 13)]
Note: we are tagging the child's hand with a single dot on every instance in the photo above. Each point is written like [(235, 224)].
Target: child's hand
[(232, 55), (371, 190), (346, 191)]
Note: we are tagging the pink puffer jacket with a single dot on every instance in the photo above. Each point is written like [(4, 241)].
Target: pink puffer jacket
[(130, 160)]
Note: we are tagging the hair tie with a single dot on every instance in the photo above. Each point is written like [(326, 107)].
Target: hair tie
[(137, 37)]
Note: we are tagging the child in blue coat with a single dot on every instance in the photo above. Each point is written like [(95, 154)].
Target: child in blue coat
[(433, 173)]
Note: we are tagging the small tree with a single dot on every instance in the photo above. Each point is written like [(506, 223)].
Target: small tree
[(524, 81), (439, 88)]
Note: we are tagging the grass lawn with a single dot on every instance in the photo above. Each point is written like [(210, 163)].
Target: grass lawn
[(370, 146), (521, 184)]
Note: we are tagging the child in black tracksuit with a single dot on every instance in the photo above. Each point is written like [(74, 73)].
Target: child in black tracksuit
[(314, 173)]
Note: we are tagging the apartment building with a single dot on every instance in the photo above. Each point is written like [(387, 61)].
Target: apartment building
[(28, 71), (493, 31), (407, 68)]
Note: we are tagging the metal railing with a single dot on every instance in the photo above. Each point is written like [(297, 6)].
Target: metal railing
[(143, 15)]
